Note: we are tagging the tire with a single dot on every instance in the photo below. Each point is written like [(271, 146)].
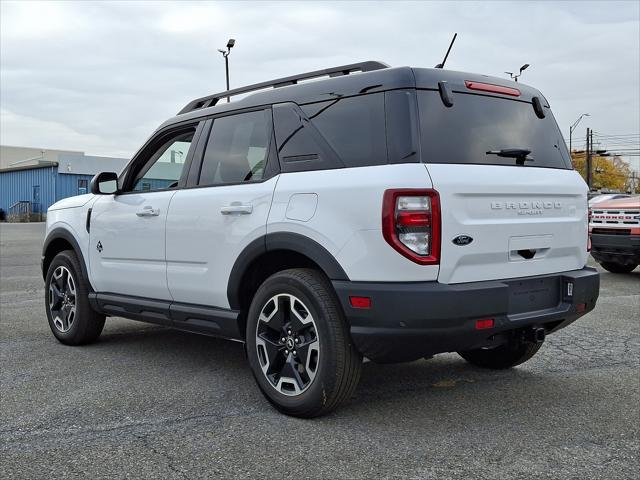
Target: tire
[(502, 357), (619, 267), (71, 318), (323, 369)]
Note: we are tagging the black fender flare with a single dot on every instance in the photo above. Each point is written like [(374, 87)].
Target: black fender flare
[(281, 241), (62, 233)]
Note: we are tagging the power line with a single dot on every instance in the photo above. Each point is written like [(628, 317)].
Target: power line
[(619, 144), (621, 149), (617, 134)]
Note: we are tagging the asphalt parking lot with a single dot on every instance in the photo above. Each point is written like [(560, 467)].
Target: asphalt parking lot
[(147, 401)]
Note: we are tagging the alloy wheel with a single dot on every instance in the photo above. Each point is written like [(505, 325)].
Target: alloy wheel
[(287, 344), (62, 299)]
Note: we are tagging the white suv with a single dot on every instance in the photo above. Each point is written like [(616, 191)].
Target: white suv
[(391, 214)]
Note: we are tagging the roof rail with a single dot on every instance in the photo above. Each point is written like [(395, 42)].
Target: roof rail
[(211, 100)]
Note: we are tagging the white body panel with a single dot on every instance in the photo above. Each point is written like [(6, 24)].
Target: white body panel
[(506, 209), (73, 220), (72, 202), (186, 253), (132, 260), (348, 218), (203, 244)]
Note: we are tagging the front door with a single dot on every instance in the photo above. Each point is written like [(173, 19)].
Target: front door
[(127, 230)]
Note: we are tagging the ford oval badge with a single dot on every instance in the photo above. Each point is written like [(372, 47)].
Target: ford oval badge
[(462, 240)]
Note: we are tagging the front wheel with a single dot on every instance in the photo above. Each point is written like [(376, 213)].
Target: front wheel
[(71, 318), (298, 344), (619, 267)]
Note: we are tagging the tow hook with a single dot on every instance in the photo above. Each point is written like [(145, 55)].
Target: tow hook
[(534, 335)]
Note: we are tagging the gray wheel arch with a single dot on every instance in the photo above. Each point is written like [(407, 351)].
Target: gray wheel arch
[(57, 240), (280, 241)]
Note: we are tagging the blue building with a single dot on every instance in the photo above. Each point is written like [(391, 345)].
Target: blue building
[(29, 190)]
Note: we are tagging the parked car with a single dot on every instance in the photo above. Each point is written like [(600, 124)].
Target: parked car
[(614, 227), (393, 214), (607, 196)]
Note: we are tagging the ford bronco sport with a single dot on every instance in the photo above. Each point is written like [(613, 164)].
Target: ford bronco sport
[(614, 226), (386, 213)]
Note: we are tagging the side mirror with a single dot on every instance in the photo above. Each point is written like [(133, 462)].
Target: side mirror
[(104, 183)]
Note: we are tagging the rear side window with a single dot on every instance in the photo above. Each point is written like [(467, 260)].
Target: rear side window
[(477, 124), (354, 127), (237, 149), (301, 148)]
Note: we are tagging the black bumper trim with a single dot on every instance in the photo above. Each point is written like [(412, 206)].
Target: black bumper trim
[(615, 248), (407, 321)]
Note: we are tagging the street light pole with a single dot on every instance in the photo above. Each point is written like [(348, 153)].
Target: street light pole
[(225, 54), (226, 69), (522, 69), (573, 127)]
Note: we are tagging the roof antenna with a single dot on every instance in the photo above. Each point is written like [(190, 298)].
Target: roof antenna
[(441, 65)]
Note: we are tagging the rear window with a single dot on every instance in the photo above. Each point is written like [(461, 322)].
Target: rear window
[(477, 124)]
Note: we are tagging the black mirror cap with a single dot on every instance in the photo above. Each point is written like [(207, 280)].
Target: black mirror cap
[(99, 183), (537, 107)]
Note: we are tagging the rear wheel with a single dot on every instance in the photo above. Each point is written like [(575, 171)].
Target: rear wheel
[(619, 267), (71, 318), (502, 357), (298, 344)]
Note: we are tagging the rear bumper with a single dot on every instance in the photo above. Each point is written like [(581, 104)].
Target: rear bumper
[(407, 321), (623, 249)]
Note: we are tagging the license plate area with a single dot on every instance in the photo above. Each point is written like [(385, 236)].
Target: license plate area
[(534, 294)]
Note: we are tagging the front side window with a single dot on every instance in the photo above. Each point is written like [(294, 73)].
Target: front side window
[(164, 167), (237, 149)]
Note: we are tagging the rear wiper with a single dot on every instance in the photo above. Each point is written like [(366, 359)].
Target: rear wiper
[(520, 154)]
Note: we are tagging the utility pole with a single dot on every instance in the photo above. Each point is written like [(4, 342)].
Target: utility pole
[(589, 154)]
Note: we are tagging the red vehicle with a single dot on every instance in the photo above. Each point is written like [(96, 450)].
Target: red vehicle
[(614, 228)]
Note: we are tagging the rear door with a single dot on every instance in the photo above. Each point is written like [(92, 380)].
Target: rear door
[(501, 219), (226, 209)]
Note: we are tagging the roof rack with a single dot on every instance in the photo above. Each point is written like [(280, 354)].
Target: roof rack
[(211, 100)]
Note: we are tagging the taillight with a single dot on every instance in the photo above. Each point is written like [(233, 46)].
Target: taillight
[(411, 224)]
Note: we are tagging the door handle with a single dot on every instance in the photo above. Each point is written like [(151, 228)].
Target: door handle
[(148, 211), (236, 208)]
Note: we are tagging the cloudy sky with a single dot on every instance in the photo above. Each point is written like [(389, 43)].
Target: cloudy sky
[(100, 77)]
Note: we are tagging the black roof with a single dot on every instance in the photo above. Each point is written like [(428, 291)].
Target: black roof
[(375, 77)]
